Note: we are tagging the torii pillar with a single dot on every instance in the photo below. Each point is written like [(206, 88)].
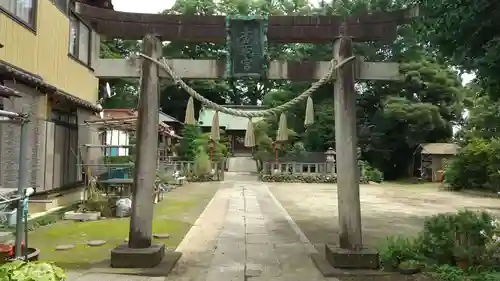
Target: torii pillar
[(350, 252), (141, 252)]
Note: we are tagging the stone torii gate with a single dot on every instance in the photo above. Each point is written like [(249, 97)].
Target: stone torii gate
[(154, 28)]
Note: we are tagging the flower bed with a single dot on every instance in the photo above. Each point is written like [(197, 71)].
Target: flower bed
[(302, 178)]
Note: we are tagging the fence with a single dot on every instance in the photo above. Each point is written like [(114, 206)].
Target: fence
[(295, 168), (308, 163), (188, 168)]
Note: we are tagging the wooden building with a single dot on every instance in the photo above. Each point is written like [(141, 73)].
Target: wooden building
[(121, 128), (48, 56), (433, 157), (234, 126)]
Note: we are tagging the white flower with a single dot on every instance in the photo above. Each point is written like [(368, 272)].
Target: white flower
[(483, 233), (495, 223), (495, 238)]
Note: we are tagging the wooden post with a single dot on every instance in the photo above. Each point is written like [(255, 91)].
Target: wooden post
[(141, 221), (349, 208)]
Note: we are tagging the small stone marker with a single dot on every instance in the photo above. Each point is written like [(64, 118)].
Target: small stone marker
[(65, 247), (96, 243), (161, 236)]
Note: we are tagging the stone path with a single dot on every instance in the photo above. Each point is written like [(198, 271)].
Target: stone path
[(243, 235)]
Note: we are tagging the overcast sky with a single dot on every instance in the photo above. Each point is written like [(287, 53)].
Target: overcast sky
[(142, 6)]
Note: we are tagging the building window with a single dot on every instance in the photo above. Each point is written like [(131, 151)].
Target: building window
[(79, 40), (64, 150), (62, 5), (24, 10)]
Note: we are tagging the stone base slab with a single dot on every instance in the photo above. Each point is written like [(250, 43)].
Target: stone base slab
[(125, 257), (349, 259)]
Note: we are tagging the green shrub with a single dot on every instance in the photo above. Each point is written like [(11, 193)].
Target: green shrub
[(299, 178), (302, 178), (370, 173), (476, 166), (188, 148), (202, 163), (396, 249), (446, 234), (451, 273), (202, 178), (31, 271), (410, 264)]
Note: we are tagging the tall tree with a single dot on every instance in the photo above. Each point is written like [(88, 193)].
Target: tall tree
[(465, 33), (393, 117)]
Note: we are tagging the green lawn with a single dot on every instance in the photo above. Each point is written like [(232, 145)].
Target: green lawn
[(174, 215)]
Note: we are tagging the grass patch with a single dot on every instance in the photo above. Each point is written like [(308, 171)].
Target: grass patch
[(174, 215)]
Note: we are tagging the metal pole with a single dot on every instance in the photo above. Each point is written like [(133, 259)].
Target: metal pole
[(25, 215), (21, 185), (9, 114)]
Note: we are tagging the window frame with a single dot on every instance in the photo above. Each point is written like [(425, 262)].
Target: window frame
[(75, 54), (33, 15), (67, 168), (64, 9)]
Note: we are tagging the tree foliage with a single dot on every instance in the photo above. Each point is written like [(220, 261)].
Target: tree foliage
[(466, 34), (393, 116)]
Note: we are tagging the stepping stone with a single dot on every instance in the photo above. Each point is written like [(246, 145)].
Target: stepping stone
[(161, 236), (65, 247), (96, 243)]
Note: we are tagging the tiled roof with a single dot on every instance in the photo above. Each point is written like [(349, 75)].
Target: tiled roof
[(227, 121), (439, 148)]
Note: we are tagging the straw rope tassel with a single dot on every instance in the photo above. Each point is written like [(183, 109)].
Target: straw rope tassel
[(215, 130), (190, 120), (309, 118), (282, 134), (250, 134)]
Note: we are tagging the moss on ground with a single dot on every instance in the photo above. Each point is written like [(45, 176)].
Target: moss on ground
[(174, 215)]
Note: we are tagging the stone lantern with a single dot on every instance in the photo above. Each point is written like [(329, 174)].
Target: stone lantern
[(330, 161)]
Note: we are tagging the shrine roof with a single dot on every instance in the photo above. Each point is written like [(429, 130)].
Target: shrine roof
[(439, 148), (228, 122)]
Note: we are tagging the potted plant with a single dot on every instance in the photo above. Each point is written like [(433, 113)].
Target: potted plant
[(31, 271), (409, 267), (5, 252)]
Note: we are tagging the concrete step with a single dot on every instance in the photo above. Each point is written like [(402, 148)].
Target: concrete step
[(242, 164)]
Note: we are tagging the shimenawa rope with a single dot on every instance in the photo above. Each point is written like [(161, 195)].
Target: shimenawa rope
[(249, 114)]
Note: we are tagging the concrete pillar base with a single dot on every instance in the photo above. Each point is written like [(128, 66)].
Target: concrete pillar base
[(348, 259), (125, 257)]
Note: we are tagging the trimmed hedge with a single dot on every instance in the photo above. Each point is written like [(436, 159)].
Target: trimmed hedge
[(302, 178)]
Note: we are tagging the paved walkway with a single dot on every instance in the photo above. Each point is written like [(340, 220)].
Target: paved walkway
[(243, 235)]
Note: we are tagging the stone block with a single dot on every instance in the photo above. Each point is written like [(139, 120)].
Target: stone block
[(89, 216), (343, 258), (125, 257)]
